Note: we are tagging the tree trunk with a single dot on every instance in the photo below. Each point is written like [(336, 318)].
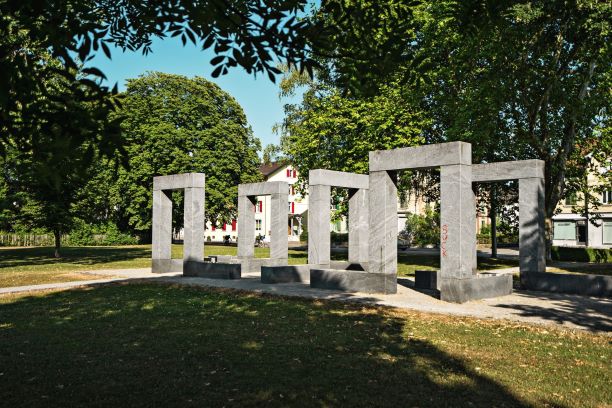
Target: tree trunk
[(58, 237), (493, 216)]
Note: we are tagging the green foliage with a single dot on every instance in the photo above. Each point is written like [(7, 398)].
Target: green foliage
[(85, 234), (329, 130), (338, 237), (598, 255), (73, 31), (421, 230), (172, 125)]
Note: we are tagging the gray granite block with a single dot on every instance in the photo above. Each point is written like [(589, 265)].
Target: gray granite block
[(586, 285), (480, 286), (337, 179), (353, 281), (166, 265), (285, 274), (426, 280), (434, 155), (508, 170), (212, 270)]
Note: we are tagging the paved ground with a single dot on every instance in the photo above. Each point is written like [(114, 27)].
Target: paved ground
[(570, 311)]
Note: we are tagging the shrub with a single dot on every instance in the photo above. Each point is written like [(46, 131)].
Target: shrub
[(338, 237), (421, 230), (84, 234), (598, 255)]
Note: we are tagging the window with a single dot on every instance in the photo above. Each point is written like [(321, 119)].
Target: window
[(213, 227), (294, 173), (288, 172), (606, 197), (233, 225), (564, 230), (571, 199), (291, 208), (259, 207), (224, 226), (257, 225), (607, 232)]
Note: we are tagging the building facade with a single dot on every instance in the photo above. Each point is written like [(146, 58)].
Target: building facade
[(593, 229), (297, 206)]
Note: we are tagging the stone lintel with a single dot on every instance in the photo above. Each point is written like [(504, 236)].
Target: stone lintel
[(421, 157), (338, 179), (508, 170), (261, 189), (179, 181)]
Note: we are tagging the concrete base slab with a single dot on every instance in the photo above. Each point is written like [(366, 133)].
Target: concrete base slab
[(166, 265), (212, 270), (481, 286), (285, 274), (353, 281), (426, 280), (587, 285)]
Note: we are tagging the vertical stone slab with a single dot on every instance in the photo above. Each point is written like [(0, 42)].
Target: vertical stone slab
[(246, 230), (382, 242), (532, 246), (319, 218), (475, 239), (162, 226), (193, 239), (457, 222), (358, 226), (279, 239)]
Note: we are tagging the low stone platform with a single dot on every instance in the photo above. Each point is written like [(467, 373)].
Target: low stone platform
[(587, 285), (285, 274), (481, 286), (426, 280), (255, 264), (212, 270), (353, 281), (166, 265)]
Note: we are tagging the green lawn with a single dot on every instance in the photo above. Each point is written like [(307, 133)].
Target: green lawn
[(152, 345)]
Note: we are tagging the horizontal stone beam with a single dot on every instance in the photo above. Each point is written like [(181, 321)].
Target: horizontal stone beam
[(179, 181), (508, 170), (421, 157), (338, 179), (266, 188)]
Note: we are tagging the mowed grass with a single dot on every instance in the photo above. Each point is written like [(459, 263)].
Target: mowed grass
[(153, 345)]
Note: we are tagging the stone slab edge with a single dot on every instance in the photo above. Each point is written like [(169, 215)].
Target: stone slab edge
[(353, 281), (586, 285), (482, 286)]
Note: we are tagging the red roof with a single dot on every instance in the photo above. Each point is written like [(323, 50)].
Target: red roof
[(268, 169)]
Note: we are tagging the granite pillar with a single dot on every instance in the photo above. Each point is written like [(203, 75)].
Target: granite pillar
[(382, 241), (532, 245), (246, 223), (319, 218), (457, 222), (162, 226), (193, 236), (358, 226), (279, 239)]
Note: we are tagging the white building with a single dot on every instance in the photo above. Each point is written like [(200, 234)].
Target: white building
[(297, 206), (594, 229)]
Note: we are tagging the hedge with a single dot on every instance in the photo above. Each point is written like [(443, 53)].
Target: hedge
[(598, 255)]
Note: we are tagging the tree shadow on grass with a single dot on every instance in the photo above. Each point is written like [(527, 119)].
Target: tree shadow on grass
[(18, 257), (145, 345)]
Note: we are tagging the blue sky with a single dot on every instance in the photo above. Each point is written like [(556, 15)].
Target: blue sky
[(257, 96)]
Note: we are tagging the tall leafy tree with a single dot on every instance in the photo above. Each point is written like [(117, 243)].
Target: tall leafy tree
[(253, 34), (175, 124)]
